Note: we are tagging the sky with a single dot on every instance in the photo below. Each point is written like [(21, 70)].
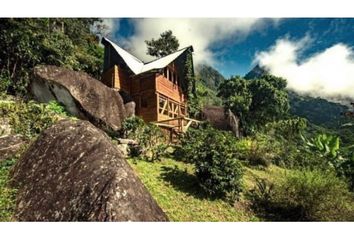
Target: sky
[(315, 55)]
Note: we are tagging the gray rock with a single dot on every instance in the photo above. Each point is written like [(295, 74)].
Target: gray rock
[(73, 172), (221, 119), (82, 95), (130, 109)]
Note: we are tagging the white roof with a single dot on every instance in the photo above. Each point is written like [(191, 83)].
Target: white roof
[(138, 66)]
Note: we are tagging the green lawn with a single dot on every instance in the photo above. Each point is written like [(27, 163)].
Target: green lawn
[(176, 190)]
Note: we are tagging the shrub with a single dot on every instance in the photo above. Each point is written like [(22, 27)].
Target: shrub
[(216, 167), (150, 138), (305, 196), (260, 150), (30, 118)]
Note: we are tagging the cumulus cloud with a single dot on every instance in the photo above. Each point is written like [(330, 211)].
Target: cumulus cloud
[(328, 74), (200, 33)]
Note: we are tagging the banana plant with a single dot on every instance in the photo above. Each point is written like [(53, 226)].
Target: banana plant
[(327, 145)]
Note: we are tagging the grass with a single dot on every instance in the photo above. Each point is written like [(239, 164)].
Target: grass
[(175, 188), (7, 194)]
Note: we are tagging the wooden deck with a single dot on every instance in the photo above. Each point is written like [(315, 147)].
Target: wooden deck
[(174, 130)]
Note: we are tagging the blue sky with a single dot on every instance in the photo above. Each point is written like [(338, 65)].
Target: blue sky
[(234, 56)]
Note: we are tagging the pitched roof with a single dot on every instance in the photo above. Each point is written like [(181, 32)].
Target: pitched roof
[(138, 66)]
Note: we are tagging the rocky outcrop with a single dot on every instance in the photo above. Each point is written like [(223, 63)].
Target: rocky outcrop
[(10, 145), (82, 95), (73, 172), (221, 119)]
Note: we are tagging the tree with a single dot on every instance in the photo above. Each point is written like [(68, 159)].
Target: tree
[(257, 101), (166, 44), (25, 43)]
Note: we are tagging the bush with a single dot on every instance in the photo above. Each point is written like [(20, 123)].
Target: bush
[(30, 118), (260, 150), (216, 167), (150, 138), (304, 196)]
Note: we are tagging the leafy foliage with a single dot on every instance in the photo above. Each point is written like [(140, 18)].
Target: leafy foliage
[(326, 144), (214, 156), (24, 43), (30, 118), (149, 137), (7, 194), (256, 102), (346, 169), (304, 196), (165, 45)]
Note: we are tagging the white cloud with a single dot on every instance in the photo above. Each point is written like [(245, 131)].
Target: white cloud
[(200, 33), (107, 27), (328, 74)]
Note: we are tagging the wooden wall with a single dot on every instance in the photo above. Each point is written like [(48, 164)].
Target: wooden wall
[(169, 89), (116, 77), (143, 91)]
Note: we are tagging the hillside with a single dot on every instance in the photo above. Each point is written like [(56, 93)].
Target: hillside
[(209, 76), (208, 79)]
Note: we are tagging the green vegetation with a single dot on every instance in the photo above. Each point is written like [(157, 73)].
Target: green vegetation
[(175, 187), (304, 196), (166, 44), (209, 77), (30, 118), (255, 102), (151, 140), (25, 43), (217, 169), (7, 194), (284, 167)]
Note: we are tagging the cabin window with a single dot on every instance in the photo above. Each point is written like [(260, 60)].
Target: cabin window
[(171, 76), (165, 72)]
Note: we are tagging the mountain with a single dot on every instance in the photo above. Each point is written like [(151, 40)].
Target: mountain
[(209, 76), (256, 72), (317, 110), (208, 80)]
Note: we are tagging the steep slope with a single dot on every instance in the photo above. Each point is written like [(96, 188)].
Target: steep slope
[(208, 80), (209, 76)]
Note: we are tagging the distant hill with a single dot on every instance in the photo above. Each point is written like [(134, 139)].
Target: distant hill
[(256, 72), (208, 80), (209, 76), (317, 110)]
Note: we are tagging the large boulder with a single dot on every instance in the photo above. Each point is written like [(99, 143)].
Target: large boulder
[(73, 172), (221, 119), (82, 95)]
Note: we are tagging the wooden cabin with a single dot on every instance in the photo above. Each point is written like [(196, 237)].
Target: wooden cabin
[(156, 87)]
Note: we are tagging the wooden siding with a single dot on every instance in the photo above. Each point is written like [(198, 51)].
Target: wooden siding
[(168, 88), (117, 78)]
